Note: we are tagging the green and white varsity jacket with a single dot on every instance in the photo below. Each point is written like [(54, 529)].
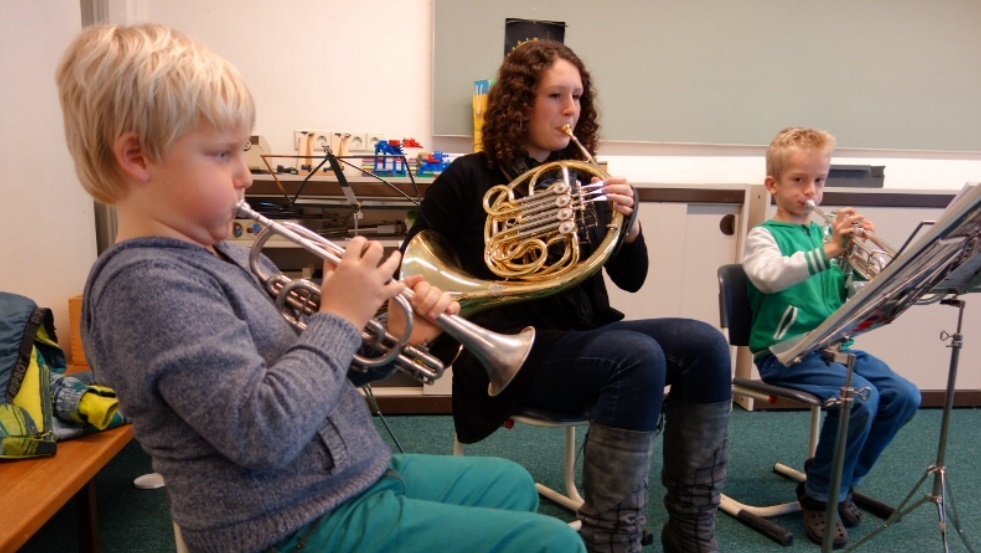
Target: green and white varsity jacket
[(793, 286)]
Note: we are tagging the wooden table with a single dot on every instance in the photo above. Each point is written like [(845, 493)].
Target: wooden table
[(33, 490)]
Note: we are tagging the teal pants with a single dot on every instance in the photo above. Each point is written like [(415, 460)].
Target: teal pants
[(443, 503)]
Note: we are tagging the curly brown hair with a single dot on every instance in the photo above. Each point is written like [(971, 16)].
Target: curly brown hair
[(510, 100)]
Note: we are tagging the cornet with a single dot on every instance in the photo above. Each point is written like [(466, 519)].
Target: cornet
[(866, 260), (501, 355)]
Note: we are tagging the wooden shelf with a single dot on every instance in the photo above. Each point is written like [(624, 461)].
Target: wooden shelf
[(364, 189)]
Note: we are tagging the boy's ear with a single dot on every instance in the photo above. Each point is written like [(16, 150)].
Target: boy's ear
[(769, 183), (131, 157)]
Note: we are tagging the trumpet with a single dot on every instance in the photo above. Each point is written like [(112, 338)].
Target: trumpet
[(866, 260), (501, 355)]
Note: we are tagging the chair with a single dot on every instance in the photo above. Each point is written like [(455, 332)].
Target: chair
[(736, 315), (571, 499)]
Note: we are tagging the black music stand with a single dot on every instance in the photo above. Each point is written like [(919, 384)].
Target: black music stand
[(942, 265)]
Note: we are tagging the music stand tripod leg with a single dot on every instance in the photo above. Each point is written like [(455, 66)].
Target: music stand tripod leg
[(835, 354), (940, 483), (939, 472)]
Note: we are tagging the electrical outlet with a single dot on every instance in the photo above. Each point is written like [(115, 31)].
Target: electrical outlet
[(310, 141), (371, 139), (357, 143)]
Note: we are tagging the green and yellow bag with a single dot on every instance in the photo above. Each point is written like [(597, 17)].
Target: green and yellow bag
[(28, 350)]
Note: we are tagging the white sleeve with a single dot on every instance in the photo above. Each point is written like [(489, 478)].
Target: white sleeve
[(767, 268)]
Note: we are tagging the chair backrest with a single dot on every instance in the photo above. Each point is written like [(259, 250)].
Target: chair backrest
[(734, 309)]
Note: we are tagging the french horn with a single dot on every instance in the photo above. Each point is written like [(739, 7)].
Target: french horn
[(532, 236)]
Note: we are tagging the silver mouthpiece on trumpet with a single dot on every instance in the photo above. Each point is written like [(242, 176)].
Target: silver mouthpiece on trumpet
[(866, 253), (501, 355)]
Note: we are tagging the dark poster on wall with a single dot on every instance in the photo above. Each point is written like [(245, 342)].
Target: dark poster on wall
[(518, 31)]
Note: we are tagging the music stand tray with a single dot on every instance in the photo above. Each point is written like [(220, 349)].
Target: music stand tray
[(942, 264)]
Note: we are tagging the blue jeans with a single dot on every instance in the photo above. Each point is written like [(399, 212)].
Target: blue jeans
[(428, 503), (873, 422), (619, 371)]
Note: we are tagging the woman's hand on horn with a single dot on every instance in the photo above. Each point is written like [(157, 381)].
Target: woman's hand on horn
[(619, 191)]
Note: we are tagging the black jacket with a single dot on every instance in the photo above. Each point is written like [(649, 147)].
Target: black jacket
[(453, 207)]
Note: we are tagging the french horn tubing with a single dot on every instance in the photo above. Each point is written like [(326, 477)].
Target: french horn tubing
[(528, 220), (524, 227), (501, 355)]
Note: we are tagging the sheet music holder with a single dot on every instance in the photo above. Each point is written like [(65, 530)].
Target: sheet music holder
[(944, 260), (942, 264)]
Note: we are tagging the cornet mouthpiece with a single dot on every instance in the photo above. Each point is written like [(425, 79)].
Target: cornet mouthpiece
[(810, 204), (567, 129)]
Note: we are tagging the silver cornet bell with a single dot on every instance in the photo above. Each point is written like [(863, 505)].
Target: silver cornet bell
[(865, 253)]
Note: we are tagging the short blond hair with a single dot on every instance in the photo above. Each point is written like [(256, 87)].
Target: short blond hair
[(145, 79), (801, 138)]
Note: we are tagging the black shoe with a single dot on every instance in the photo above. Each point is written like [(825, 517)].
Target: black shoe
[(815, 521), (848, 511)]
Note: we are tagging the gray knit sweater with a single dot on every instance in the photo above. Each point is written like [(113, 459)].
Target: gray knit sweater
[(256, 430)]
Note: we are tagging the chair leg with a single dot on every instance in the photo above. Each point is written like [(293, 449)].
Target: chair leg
[(179, 540), (571, 500), (756, 518)]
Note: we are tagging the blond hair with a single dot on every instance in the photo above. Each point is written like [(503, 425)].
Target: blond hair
[(801, 138), (145, 79)]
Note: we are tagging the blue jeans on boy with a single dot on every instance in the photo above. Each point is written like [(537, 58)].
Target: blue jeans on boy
[(619, 371), (873, 423)]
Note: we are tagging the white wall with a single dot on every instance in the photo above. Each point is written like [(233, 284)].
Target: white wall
[(342, 65), (333, 65), (47, 233), (329, 64), (366, 66)]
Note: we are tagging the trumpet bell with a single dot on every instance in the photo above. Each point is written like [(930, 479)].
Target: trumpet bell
[(512, 354), (502, 355)]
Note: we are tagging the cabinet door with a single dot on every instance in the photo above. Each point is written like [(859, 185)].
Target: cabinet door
[(686, 248)]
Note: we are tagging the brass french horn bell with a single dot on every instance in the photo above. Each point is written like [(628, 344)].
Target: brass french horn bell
[(532, 238)]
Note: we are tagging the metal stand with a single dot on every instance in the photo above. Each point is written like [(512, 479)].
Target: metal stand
[(944, 263), (940, 492), (835, 355)]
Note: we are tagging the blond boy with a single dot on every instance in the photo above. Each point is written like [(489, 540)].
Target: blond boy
[(259, 431), (794, 286)]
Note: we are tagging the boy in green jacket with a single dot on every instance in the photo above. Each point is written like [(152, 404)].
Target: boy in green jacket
[(796, 282)]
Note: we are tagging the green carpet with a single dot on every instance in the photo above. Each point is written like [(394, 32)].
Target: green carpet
[(135, 521)]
